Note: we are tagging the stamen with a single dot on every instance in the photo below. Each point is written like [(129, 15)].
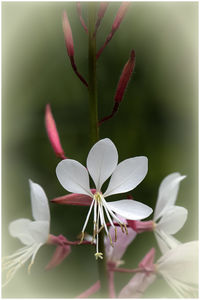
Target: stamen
[(102, 226), (121, 227), (126, 229), (110, 239), (98, 255), (82, 237), (115, 234)]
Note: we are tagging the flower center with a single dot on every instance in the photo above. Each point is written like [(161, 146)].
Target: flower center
[(100, 206)]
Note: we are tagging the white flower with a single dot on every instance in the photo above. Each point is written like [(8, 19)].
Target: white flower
[(179, 267), (101, 164), (168, 217), (33, 234)]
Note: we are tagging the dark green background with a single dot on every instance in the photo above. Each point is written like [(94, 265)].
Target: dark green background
[(158, 119)]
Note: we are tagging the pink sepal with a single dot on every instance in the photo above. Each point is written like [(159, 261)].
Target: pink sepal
[(93, 289), (140, 226), (79, 11), (74, 199), (61, 252), (117, 21), (101, 12), (53, 133), (147, 263)]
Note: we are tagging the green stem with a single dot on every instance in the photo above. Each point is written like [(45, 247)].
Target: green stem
[(92, 87)]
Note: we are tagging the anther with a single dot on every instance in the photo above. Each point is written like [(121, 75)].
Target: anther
[(115, 234), (126, 229), (82, 237), (100, 228), (110, 239), (121, 227)]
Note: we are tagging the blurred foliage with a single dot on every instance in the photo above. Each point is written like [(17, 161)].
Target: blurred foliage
[(158, 118)]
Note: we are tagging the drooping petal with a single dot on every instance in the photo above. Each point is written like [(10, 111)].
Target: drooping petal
[(128, 174), (180, 265), (73, 177), (173, 219), (39, 230), (102, 161), (39, 202), (165, 241), (19, 229), (167, 194), (137, 285), (130, 209)]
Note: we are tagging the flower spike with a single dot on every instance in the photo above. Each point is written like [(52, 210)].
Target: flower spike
[(53, 133), (101, 12), (70, 46), (79, 11), (118, 19), (121, 87)]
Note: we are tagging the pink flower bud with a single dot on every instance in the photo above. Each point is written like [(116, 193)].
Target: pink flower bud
[(93, 289), (70, 46), (141, 226), (68, 35), (78, 6), (74, 199), (117, 21), (147, 263), (61, 252), (53, 133), (125, 77), (122, 84), (101, 12), (120, 15)]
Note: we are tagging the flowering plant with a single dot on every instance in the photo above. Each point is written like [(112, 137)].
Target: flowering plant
[(112, 224)]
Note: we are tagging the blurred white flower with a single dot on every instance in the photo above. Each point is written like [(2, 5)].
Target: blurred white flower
[(101, 164), (168, 217), (178, 266), (33, 234)]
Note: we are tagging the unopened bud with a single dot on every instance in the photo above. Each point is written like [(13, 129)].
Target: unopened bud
[(125, 77), (147, 263), (53, 133), (117, 21), (68, 35), (101, 12), (79, 10)]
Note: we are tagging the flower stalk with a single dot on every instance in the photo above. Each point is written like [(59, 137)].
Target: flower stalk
[(92, 89)]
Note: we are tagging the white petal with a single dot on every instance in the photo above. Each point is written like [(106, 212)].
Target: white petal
[(102, 161), (128, 174), (19, 229), (181, 263), (173, 219), (39, 202), (73, 176), (167, 194), (130, 209), (165, 241), (39, 231)]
